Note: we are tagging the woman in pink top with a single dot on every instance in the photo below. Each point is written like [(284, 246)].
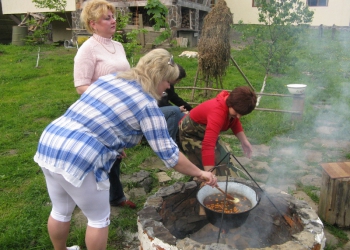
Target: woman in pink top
[(99, 55), (200, 130)]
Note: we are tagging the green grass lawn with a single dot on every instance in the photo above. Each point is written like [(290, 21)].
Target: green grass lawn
[(31, 97)]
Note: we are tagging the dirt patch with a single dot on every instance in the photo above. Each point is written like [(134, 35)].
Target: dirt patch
[(11, 152)]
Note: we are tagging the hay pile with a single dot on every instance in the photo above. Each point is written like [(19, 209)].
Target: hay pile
[(214, 44)]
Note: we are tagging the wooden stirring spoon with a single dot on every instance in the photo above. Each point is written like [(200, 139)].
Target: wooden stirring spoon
[(228, 197)]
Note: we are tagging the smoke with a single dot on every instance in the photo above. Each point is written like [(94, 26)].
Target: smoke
[(322, 135)]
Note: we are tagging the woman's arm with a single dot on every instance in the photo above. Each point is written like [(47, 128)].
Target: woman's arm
[(246, 146), (176, 99), (155, 130), (84, 68), (186, 167), (82, 89)]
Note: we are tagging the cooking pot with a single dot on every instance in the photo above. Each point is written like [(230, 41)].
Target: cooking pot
[(230, 220)]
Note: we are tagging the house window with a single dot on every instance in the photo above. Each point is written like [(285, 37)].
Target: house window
[(317, 2)]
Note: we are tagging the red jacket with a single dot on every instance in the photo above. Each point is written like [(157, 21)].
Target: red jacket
[(214, 113)]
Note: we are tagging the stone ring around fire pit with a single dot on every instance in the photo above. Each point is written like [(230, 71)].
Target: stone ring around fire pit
[(171, 219)]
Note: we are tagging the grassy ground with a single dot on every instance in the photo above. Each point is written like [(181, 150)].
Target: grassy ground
[(31, 97)]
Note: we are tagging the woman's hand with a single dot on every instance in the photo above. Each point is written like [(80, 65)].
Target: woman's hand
[(209, 178), (183, 109), (246, 146), (247, 149), (122, 155)]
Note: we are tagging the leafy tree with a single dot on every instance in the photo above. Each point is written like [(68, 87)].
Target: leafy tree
[(58, 5), (40, 34), (272, 43), (158, 13), (283, 22)]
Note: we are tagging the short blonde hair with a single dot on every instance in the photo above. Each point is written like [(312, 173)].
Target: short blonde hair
[(153, 68), (94, 10)]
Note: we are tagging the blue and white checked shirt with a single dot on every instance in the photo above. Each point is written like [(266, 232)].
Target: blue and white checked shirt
[(111, 115)]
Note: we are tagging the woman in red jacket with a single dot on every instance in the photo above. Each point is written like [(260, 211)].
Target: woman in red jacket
[(199, 131)]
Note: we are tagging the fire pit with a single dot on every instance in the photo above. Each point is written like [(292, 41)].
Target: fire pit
[(173, 219)]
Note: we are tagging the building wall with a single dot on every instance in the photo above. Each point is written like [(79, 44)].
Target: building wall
[(337, 12), (61, 31), (243, 11), (24, 6)]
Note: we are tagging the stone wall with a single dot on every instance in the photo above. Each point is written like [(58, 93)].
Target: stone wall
[(153, 234)]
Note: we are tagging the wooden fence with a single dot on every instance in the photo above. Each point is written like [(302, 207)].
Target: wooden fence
[(296, 110)]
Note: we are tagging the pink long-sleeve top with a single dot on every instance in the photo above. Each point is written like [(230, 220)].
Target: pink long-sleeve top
[(214, 113), (95, 58)]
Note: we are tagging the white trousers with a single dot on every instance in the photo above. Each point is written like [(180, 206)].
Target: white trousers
[(64, 197)]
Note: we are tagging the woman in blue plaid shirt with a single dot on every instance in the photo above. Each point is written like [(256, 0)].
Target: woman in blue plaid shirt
[(77, 150)]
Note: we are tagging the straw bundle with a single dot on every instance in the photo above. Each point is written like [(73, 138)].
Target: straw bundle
[(214, 44)]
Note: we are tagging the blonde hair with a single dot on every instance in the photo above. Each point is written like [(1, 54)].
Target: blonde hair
[(151, 70), (94, 10)]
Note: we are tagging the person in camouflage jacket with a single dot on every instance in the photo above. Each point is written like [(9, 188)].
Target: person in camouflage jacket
[(199, 131)]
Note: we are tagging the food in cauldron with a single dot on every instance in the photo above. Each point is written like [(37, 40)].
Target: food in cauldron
[(216, 202), (232, 220)]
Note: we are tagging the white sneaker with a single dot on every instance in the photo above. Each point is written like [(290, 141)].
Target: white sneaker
[(73, 248)]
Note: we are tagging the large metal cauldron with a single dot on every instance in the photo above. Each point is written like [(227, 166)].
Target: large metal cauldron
[(229, 220)]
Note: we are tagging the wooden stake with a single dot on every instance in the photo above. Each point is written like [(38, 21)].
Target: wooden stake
[(37, 60)]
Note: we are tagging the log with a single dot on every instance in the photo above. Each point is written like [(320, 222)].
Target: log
[(334, 202)]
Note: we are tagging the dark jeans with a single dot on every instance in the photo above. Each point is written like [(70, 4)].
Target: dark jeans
[(116, 193), (172, 116)]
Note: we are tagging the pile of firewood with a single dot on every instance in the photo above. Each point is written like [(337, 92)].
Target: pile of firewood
[(186, 20)]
